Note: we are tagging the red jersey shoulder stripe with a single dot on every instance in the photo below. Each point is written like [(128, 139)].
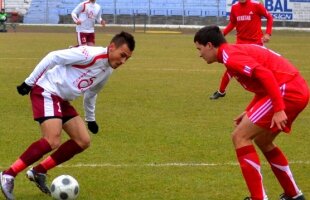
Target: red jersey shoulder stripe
[(225, 57), (84, 5), (101, 56)]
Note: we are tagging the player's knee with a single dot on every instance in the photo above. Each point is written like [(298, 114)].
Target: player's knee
[(84, 142), (239, 139), (54, 142)]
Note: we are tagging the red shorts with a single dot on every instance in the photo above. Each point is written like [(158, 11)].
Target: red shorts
[(295, 95), (84, 38), (47, 105)]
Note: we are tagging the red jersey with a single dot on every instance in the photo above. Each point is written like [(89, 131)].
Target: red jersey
[(246, 17), (241, 60)]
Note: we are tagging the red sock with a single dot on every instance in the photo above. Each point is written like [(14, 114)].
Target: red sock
[(250, 167), (281, 169), (65, 152), (34, 152)]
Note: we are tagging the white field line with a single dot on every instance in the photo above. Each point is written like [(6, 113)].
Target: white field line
[(110, 165)]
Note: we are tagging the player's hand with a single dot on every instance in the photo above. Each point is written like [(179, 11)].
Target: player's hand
[(239, 118), (23, 89), (78, 22), (279, 119), (93, 127), (266, 38)]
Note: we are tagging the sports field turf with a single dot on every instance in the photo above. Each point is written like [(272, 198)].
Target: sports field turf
[(160, 138)]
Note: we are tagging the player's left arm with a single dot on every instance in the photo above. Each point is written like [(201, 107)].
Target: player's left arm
[(99, 18), (264, 12), (270, 84), (89, 103)]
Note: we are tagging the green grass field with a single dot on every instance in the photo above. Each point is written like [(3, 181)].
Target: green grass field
[(161, 138)]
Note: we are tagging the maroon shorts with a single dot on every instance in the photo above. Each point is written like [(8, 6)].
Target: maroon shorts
[(84, 38), (295, 95), (47, 105)]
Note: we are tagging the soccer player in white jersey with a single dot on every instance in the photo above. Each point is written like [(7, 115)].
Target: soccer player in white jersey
[(60, 77), (85, 16)]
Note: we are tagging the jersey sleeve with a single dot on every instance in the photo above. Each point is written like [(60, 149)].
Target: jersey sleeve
[(263, 12), (89, 102), (76, 11), (60, 57), (270, 84), (99, 19), (240, 62), (232, 23)]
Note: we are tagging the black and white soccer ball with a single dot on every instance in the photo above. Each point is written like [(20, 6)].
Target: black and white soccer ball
[(65, 187)]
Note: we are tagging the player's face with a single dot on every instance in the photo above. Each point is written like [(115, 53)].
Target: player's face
[(207, 52), (118, 55)]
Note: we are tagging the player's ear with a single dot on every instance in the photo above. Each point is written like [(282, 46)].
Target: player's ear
[(209, 45), (112, 46)]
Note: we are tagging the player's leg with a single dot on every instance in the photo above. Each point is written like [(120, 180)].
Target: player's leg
[(248, 158), (43, 104), (91, 39), (81, 38), (51, 131), (78, 142), (295, 99), (279, 164), (80, 139)]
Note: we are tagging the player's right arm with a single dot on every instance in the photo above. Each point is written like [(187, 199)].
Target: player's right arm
[(75, 12), (232, 23), (60, 57)]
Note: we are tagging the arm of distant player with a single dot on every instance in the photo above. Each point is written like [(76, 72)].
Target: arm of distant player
[(263, 12), (99, 19), (232, 23), (75, 12)]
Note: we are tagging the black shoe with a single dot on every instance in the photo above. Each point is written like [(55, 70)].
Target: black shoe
[(247, 198), (217, 95), (284, 197), (39, 179)]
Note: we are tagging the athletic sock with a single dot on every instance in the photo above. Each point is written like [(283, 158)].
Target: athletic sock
[(65, 152), (250, 167), (281, 170), (33, 153)]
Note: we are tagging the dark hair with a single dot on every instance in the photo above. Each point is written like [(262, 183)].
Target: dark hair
[(124, 38), (211, 34)]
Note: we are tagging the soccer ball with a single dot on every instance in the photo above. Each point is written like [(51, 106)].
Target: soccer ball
[(65, 187)]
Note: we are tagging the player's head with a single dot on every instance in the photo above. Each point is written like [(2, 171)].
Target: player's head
[(120, 49), (242, 1), (207, 40)]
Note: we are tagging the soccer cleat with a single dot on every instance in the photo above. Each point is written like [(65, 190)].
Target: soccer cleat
[(7, 186), (39, 179), (284, 197), (217, 95)]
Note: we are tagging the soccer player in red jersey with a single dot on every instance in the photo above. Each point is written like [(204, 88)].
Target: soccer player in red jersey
[(246, 17), (281, 94)]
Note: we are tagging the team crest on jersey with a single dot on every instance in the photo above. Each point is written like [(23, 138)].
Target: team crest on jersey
[(247, 69)]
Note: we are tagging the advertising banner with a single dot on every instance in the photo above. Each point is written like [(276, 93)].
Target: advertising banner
[(283, 10)]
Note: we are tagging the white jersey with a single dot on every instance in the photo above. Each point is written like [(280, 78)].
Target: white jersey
[(73, 72), (88, 13)]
